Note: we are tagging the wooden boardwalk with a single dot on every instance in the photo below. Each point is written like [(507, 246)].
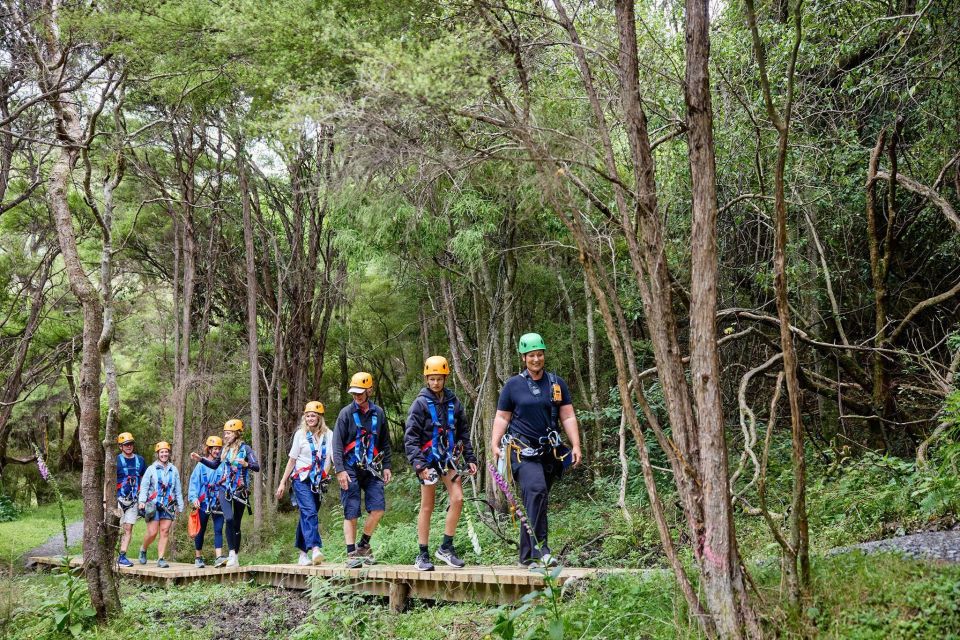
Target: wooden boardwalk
[(492, 584)]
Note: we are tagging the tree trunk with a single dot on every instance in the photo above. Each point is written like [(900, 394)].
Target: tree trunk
[(253, 354)]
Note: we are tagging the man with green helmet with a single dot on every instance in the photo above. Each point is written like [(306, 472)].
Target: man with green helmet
[(533, 408)]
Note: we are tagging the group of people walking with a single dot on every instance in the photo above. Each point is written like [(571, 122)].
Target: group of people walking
[(534, 412)]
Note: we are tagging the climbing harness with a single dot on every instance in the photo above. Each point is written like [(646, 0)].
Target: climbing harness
[(127, 489), (552, 440), (364, 452), (318, 476), (442, 451), (162, 497)]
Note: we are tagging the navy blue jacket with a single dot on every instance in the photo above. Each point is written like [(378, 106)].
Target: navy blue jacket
[(419, 428)]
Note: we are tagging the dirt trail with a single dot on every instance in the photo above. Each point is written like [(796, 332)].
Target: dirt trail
[(929, 545), (54, 545)]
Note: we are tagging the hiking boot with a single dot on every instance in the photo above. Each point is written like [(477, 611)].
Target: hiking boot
[(366, 553), (422, 563), (143, 556), (162, 564), (448, 555), (199, 564), (219, 562), (354, 561), (123, 561)]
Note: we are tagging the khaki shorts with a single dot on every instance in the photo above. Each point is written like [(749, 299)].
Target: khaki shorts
[(130, 515)]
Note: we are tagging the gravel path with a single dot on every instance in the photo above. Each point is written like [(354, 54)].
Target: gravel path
[(931, 545), (54, 546)]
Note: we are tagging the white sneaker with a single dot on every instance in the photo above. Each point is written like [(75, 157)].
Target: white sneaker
[(317, 556), (303, 560), (234, 560)]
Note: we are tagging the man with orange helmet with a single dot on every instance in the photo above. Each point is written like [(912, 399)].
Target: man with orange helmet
[(130, 469), (361, 457)]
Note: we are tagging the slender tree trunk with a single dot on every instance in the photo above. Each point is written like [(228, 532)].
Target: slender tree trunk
[(253, 354)]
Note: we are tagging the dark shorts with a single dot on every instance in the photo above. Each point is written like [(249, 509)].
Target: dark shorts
[(372, 488)]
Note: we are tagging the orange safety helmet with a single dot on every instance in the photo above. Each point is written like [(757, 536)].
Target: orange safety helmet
[(163, 444), (360, 382), (233, 425), (125, 438), (436, 365), (214, 441), (314, 407)]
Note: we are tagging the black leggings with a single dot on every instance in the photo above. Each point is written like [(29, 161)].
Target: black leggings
[(232, 517)]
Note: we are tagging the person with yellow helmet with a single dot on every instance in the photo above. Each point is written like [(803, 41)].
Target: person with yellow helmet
[(309, 461), (532, 409), (435, 438), (161, 498), (202, 495), (361, 457), (237, 460), (130, 469)]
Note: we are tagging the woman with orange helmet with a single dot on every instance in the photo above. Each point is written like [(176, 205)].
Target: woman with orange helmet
[(309, 461), (237, 460), (202, 494), (161, 499)]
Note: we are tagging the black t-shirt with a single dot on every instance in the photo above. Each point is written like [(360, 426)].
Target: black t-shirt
[(531, 414)]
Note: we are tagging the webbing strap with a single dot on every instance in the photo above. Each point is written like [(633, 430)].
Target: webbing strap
[(366, 449), (441, 445), (317, 463), (131, 482)]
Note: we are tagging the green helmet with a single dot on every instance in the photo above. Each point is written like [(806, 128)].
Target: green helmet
[(531, 342)]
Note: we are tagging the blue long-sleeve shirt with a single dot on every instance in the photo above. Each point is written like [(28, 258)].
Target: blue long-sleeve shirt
[(203, 485), (161, 485)]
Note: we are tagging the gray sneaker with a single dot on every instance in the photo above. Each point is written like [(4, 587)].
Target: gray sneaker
[(449, 556), (219, 562), (143, 556), (422, 563), (199, 564), (162, 564)]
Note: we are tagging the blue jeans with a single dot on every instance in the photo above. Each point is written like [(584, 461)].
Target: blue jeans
[(308, 529), (217, 530)]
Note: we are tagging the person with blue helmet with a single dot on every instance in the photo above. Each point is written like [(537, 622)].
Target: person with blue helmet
[(361, 458), (130, 469), (532, 409), (202, 494), (309, 463), (161, 499)]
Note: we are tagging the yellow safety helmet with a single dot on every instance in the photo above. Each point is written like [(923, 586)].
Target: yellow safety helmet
[(214, 441), (360, 382), (163, 444), (125, 437), (233, 425), (436, 365), (314, 407)]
